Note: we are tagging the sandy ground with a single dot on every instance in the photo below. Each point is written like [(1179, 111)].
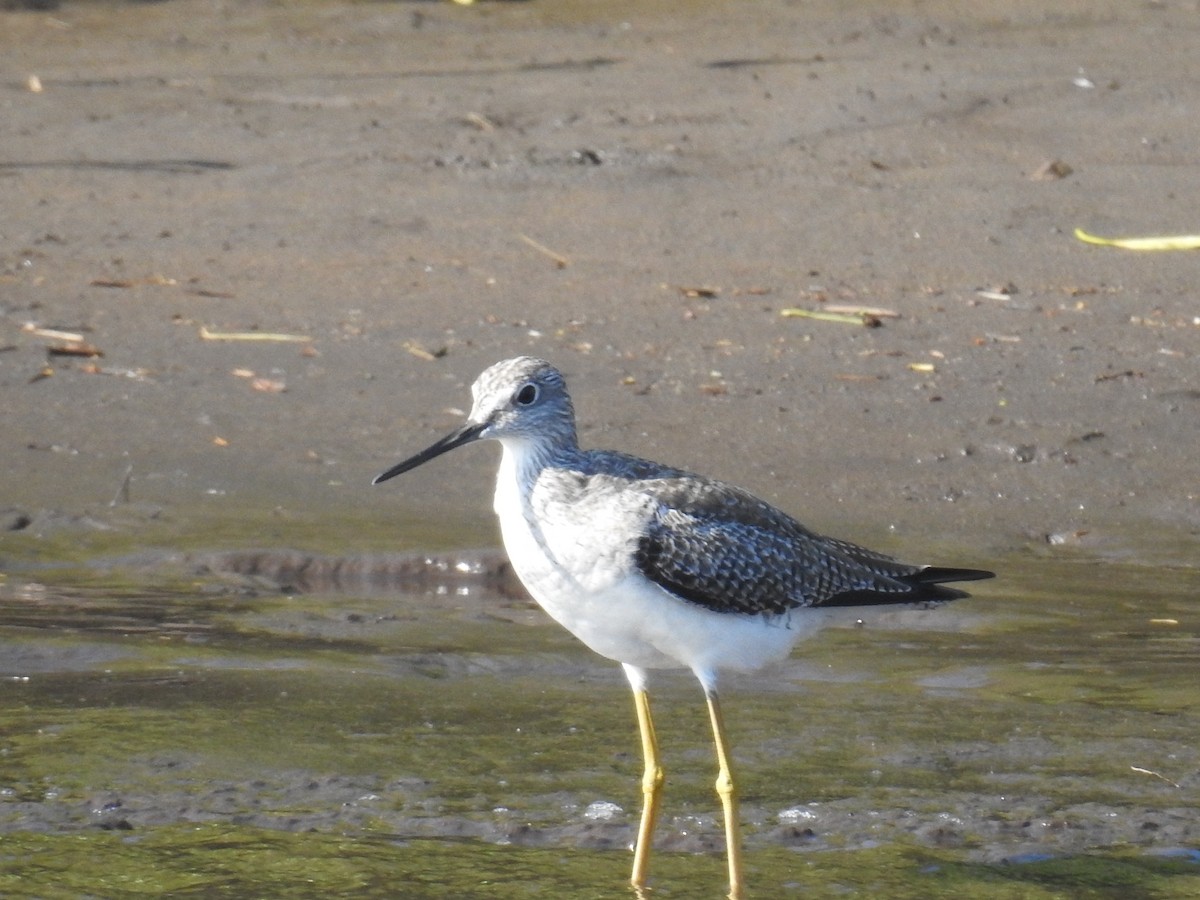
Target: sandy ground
[(635, 191)]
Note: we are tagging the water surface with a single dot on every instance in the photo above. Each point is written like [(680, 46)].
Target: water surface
[(169, 726)]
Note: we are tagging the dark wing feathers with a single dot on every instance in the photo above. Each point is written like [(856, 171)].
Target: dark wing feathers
[(718, 546)]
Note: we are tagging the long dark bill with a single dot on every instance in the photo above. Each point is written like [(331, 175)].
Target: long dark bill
[(458, 437)]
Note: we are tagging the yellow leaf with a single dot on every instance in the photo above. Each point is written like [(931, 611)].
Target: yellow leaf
[(1172, 242)]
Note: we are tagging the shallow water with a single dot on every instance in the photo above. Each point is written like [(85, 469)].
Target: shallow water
[(170, 723)]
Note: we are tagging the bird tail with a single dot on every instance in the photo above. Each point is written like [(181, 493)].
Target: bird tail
[(925, 585)]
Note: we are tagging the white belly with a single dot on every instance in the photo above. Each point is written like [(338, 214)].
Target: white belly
[(578, 566)]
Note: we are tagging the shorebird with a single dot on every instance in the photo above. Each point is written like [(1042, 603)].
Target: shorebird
[(657, 568)]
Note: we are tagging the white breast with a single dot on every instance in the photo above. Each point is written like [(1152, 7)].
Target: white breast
[(576, 560)]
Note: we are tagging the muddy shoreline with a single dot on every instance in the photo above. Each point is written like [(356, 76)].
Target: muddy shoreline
[(252, 254), (378, 179)]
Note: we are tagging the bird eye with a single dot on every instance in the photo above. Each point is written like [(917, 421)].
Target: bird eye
[(527, 394)]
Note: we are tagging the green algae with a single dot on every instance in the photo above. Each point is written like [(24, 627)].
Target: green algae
[(230, 861), (166, 732)]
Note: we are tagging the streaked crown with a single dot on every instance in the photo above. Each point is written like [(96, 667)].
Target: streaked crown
[(524, 398)]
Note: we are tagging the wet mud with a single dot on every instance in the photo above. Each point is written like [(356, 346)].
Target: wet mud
[(252, 254)]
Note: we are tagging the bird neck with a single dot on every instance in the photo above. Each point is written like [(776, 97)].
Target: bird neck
[(525, 457), (521, 463)]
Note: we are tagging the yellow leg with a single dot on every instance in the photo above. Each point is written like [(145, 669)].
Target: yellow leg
[(729, 803), (652, 782)]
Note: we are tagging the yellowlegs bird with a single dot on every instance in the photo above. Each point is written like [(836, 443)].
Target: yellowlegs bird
[(658, 568)]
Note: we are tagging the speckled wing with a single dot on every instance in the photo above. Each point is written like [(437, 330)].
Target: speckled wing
[(719, 547)]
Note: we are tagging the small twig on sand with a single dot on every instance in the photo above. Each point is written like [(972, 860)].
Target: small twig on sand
[(559, 260), (251, 336), (122, 495), (1142, 771)]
